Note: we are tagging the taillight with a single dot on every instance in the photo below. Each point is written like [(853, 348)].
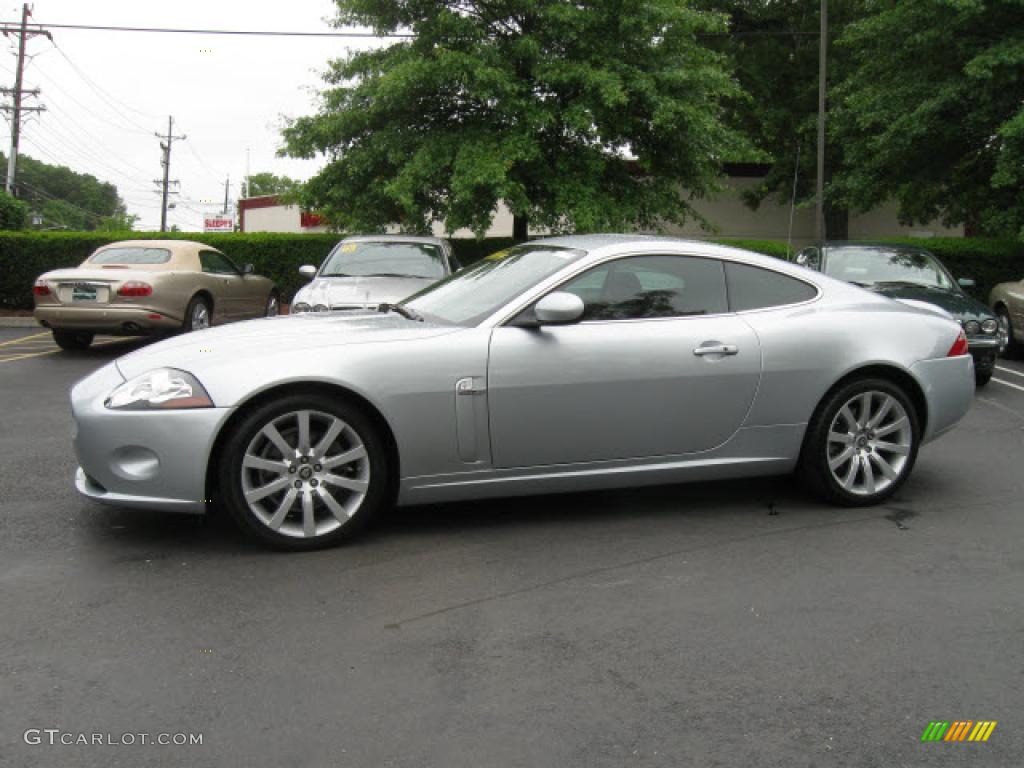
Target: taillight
[(135, 288), (41, 289), (959, 346)]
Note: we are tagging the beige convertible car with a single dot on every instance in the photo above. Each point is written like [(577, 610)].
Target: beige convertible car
[(1007, 301), (140, 287)]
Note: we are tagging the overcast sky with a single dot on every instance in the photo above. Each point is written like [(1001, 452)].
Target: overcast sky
[(227, 94)]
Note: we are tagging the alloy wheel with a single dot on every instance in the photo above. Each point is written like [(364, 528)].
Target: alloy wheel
[(305, 474), (869, 443), (200, 316)]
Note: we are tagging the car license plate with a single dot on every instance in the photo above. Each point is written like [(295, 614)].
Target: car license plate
[(83, 293)]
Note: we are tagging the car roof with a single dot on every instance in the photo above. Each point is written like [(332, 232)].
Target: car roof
[(600, 245), (171, 245), (828, 244), (394, 239)]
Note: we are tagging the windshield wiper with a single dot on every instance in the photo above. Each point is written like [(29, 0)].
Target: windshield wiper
[(388, 274), (335, 274), (407, 312)]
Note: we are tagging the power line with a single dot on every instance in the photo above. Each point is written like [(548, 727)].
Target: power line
[(105, 95), (120, 126), (237, 32)]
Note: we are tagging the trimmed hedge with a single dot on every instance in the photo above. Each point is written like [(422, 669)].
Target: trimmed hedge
[(26, 255)]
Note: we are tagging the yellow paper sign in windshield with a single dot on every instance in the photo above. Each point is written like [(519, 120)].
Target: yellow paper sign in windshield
[(498, 255), (348, 248)]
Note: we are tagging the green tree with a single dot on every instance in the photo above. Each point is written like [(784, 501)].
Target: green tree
[(269, 184), (119, 221), (63, 198), (932, 112), (13, 212), (586, 116)]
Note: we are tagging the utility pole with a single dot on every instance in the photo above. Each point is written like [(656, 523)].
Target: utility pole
[(819, 208), (24, 34), (227, 191), (165, 161)]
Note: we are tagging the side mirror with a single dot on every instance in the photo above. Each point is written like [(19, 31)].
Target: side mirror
[(559, 308), (248, 269), (966, 282), (307, 270), (808, 257)]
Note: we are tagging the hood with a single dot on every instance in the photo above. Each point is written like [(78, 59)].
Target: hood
[(359, 291), (266, 337), (958, 304)]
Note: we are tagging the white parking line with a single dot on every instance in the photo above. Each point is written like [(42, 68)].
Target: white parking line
[(1008, 384), (1010, 370)]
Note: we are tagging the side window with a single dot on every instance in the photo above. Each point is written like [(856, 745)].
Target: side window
[(216, 263), (756, 288), (641, 287)]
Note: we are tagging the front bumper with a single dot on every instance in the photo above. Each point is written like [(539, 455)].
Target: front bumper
[(106, 319), (948, 385), (141, 459), (984, 350)]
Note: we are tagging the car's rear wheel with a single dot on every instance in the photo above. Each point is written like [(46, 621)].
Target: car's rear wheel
[(273, 306), (861, 443), (73, 340), (981, 378), (304, 472), (197, 315)]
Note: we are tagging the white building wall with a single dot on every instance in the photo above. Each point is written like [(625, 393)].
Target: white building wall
[(726, 213), (277, 218)]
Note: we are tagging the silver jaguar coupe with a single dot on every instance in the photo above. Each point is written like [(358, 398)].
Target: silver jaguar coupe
[(564, 364)]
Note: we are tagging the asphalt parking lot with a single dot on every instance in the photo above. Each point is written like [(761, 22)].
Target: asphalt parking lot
[(725, 624)]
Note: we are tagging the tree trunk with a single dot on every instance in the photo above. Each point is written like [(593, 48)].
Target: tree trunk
[(520, 228), (837, 223)]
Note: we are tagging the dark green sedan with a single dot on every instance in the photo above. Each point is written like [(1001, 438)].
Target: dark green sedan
[(913, 274)]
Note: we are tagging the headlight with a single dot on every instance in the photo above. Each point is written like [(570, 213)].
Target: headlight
[(301, 307), (159, 389), (320, 308), (990, 326), (972, 327)]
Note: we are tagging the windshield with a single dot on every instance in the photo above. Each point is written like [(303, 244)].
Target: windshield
[(480, 290), (131, 255), (384, 259), (878, 266)]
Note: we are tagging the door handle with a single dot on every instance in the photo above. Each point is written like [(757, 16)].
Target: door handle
[(716, 349)]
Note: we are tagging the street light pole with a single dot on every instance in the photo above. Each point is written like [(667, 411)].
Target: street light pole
[(819, 208)]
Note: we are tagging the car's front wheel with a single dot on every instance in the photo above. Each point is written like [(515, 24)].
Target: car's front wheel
[(1011, 346), (304, 472), (861, 443), (73, 340)]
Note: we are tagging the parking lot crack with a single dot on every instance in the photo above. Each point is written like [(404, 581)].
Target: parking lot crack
[(618, 566)]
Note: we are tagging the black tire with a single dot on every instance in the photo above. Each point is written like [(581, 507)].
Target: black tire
[(273, 305), (819, 450), (373, 468), (1013, 346), (190, 322), (981, 378), (73, 341)]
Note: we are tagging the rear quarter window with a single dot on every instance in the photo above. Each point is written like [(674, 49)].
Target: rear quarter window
[(757, 288)]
